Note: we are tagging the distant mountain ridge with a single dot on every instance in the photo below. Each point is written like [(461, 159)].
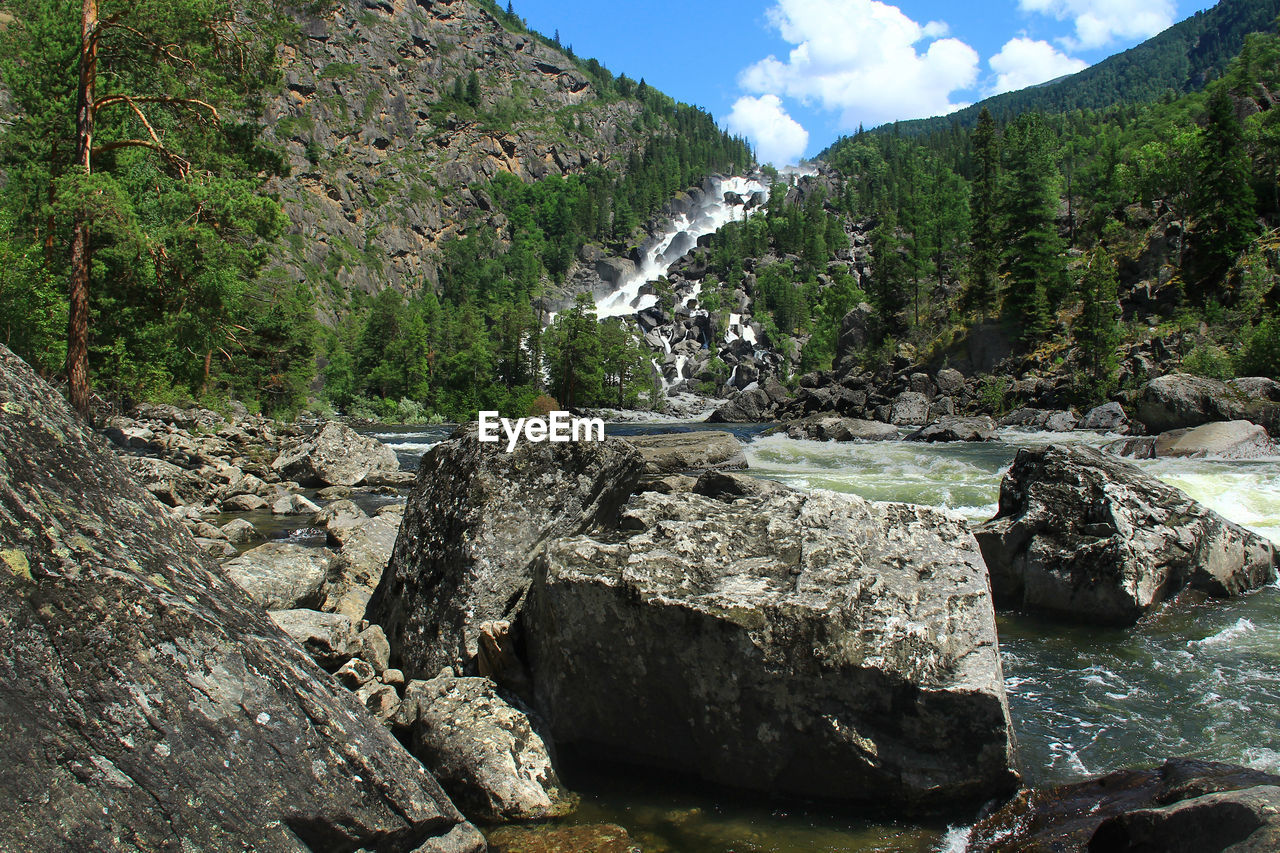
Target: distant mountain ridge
[(1183, 58)]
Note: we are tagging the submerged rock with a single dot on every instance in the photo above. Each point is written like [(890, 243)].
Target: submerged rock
[(336, 455), (1185, 805), (146, 702), (474, 522), (588, 838), (699, 450), (1083, 535), (483, 751), (814, 645)]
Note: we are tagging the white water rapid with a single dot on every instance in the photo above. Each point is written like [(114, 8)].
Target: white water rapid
[(680, 236)]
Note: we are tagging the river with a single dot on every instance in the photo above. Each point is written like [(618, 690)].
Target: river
[(1199, 679)]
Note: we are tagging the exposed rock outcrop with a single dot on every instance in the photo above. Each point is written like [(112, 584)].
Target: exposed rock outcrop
[(1222, 440), (281, 575), (1085, 536), (1184, 805), (146, 702), (1180, 400), (475, 520), (815, 645), (831, 427), (979, 428)]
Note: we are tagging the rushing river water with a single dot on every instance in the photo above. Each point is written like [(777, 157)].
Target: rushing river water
[(1200, 679)]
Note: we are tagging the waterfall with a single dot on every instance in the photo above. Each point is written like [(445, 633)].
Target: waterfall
[(679, 237)]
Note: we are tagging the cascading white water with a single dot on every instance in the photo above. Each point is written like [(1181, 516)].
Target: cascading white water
[(679, 237)]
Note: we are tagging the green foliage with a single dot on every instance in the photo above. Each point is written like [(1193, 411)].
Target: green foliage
[(1210, 361), (1261, 353), (1097, 330), (994, 394)]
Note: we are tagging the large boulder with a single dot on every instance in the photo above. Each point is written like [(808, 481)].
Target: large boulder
[(146, 702), (1222, 440), (335, 455), (807, 644), (357, 568), (169, 483), (826, 426), (1185, 805), (1109, 417), (698, 450), (281, 575), (475, 519), (1086, 536), (485, 752), (910, 408), (1181, 400), (977, 428), (746, 407)]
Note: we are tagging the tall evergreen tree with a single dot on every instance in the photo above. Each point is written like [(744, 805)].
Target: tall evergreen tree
[(1097, 330), (983, 291)]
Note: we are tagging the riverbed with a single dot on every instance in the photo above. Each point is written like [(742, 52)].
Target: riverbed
[(1199, 679)]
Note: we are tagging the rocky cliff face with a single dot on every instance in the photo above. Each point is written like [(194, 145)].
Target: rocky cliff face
[(381, 163)]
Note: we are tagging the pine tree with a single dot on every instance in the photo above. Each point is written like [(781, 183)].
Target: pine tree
[(1033, 259), (983, 291), (1223, 201), (1097, 330)]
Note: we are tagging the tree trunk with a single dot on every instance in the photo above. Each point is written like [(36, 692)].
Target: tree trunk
[(78, 287)]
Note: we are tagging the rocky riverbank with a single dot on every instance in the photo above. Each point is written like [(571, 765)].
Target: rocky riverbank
[(636, 601)]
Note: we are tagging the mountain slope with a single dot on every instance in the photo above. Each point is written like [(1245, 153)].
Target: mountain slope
[(1183, 59), (394, 110)]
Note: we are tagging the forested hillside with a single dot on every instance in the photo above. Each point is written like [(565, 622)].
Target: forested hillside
[(1180, 60), (410, 176), (1090, 247)]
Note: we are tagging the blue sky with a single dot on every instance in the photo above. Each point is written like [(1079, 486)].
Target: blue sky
[(792, 75)]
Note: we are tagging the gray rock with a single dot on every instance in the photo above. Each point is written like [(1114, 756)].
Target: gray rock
[(667, 484), (1185, 805), (146, 702), (355, 673), (219, 548), (358, 566), (474, 522), (335, 455), (280, 575), (338, 519), (949, 381), (326, 637), (1109, 417), (381, 700), (784, 643), (698, 450), (1061, 422), (978, 428), (239, 531), (293, 505), (371, 645), (1085, 536), (1222, 440), (726, 484), (828, 427), (910, 408), (748, 407), (1134, 447), (1180, 400), (855, 330), (244, 503), (171, 485), (484, 752)]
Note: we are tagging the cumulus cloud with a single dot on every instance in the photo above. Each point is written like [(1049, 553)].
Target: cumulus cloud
[(865, 60), (779, 139), (1100, 22), (1023, 62)]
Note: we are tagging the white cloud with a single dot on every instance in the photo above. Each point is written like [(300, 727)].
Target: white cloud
[(1100, 22), (1023, 62), (779, 139), (859, 58)]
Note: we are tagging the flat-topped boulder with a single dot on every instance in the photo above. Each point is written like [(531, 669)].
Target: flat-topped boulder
[(1085, 536), (147, 703), (281, 575), (825, 426), (696, 450), (977, 428), (335, 455), (809, 644), (474, 522), (1221, 440)]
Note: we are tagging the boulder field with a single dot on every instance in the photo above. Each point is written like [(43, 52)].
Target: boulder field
[(146, 701)]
